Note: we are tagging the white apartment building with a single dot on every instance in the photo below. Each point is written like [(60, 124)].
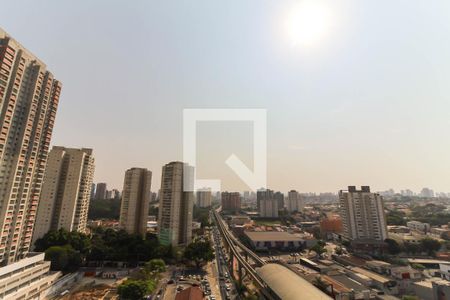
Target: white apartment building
[(176, 204), (135, 201), (295, 202), (66, 191), (418, 226), (29, 96), (362, 214), (268, 208), (29, 278)]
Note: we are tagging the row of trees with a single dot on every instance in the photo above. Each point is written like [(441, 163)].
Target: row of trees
[(429, 213), (144, 283), (426, 245), (67, 250)]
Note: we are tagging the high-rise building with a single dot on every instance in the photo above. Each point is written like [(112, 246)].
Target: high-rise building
[(135, 200), (66, 191), (263, 194), (116, 194), (29, 96), (100, 191), (279, 196), (362, 214), (92, 191), (203, 198), (427, 193), (268, 208), (176, 204), (295, 202), (231, 201)]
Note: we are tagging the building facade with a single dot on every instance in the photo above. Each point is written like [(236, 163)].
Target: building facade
[(231, 201), (29, 278), (268, 208), (279, 196), (362, 213), (263, 194), (176, 204), (66, 191), (135, 203), (100, 191), (203, 198), (29, 96), (295, 202)]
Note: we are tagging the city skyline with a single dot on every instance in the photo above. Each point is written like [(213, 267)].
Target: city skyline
[(380, 121)]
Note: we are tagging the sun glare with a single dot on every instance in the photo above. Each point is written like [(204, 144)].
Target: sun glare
[(308, 23)]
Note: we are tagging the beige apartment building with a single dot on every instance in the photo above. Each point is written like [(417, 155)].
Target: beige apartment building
[(66, 191), (295, 202), (29, 96), (135, 201), (203, 197), (362, 214), (176, 204), (268, 208), (231, 201)]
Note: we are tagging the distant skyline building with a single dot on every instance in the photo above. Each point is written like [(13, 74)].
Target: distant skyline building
[(268, 208), (135, 203), (29, 96), (92, 191), (66, 191), (203, 197), (427, 193), (362, 214), (176, 204), (231, 201), (295, 202), (100, 191), (279, 196), (263, 194)]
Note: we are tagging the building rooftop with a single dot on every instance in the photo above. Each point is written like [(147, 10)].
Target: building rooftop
[(288, 285), (192, 293), (427, 261), (371, 275), (272, 236)]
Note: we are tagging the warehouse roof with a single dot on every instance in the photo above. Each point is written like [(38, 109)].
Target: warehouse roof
[(288, 285)]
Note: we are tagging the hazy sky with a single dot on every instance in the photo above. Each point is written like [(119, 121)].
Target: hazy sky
[(366, 103)]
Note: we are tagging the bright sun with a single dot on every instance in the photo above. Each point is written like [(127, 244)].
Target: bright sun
[(308, 23)]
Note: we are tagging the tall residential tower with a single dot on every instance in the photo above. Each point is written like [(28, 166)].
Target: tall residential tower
[(135, 200), (176, 204), (66, 191), (29, 96), (363, 216)]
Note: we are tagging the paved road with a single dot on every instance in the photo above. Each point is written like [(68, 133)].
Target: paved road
[(227, 286)]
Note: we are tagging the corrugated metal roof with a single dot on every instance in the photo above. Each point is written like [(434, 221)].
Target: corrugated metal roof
[(288, 285)]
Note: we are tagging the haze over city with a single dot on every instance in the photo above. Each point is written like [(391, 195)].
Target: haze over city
[(362, 100)]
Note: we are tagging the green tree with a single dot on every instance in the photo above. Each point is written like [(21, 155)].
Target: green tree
[(133, 289), (199, 252), (396, 217), (58, 256), (430, 245), (318, 248), (412, 248), (63, 258), (155, 265), (393, 247)]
